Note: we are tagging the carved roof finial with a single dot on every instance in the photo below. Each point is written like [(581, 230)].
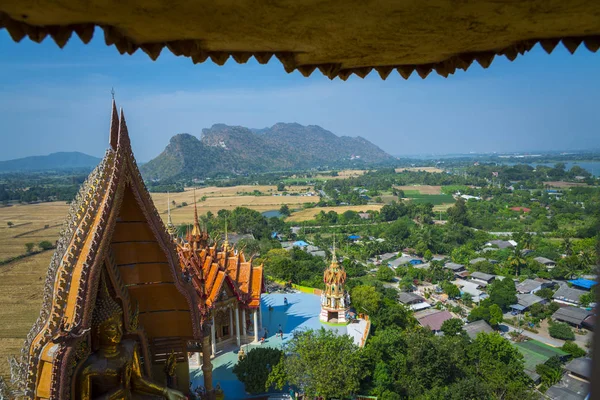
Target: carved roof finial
[(170, 227), (114, 126)]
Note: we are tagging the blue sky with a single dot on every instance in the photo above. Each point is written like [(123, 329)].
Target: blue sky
[(59, 100)]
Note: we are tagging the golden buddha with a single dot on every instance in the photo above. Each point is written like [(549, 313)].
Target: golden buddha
[(113, 371)]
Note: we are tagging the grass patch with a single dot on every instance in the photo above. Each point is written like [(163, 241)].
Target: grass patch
[(435, 199)]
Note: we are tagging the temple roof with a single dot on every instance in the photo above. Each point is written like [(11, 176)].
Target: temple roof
[(337, 37), (211, 267), (113, 229)]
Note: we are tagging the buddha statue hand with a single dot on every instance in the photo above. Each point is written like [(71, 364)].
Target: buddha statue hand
[(172, 394)]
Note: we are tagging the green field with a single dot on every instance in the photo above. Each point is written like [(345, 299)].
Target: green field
[(435, 199), (535, 353)]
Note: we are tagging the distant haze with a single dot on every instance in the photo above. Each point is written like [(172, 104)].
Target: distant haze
[(59, 100)]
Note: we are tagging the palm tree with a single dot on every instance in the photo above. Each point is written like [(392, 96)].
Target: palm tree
[(516, 260), (527, 241), (568, 246)]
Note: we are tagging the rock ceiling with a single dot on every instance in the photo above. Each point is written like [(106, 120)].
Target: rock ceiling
[(337, 37)]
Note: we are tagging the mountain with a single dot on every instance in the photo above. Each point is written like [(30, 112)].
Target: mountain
[(54, 161), (225, 149)]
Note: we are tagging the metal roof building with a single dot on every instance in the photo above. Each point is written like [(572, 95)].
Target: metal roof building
[(571, 315)]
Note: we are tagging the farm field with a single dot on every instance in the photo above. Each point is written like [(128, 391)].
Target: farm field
[(21, 287), (29, 221), (563, 185), (227, 198), (426, 169), (309, 213), (435, 199), (421, 189)]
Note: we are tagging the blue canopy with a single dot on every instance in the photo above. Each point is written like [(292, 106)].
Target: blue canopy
[(583, 283), (353, 237), (300, 243), (415, 261)]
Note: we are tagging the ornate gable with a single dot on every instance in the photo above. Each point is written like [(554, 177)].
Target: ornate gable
[(113, 229)]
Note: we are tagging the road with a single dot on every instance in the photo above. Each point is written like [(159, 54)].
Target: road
[(550, 341)]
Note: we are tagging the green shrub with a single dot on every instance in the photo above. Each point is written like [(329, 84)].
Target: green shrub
[(574, 350), (562, 331)]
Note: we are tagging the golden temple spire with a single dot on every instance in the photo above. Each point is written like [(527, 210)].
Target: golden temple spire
[(170, 227), (333, 257), (226, 243), (196, 230), (114, 125)]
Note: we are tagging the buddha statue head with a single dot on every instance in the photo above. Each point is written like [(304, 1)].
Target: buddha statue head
[(107, 318)]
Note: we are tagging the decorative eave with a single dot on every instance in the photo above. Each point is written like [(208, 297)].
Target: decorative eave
[(336, 37)]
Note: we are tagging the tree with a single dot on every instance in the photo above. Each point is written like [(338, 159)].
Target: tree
[(516, 260), (318, 358), (385, 273), (457, 214), (467, 298), (428, 256), (452, 327), (451, 290), (29, 247), (574, 350), (588, 297), (280, 187), (500, 365), (560, 330), (10, 224), (503, 293), (545, 293), (365, 299), (496, 316), (253, 370), (285, 210), (45, 245)]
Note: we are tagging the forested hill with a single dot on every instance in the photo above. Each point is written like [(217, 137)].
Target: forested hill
[(54, 161), (225, 149)]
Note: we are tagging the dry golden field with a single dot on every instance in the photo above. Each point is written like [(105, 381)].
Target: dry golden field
[(309, 213), (564, 185), (29, 221), (426, 169), (21, 287), (423, 189), (228, 198)]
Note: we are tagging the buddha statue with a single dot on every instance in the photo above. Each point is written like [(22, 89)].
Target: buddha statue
[(113, 371)]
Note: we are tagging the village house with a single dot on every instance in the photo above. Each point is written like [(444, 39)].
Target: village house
[(567, 295), (572, 315), (474, 328), (546, 261), (525, 301), (575, 383), (533, 285), (482, 279), (433, 319), (501, 244), (413, 301)]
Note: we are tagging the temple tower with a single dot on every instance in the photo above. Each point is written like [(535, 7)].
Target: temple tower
[(170, 226), (334, 300)]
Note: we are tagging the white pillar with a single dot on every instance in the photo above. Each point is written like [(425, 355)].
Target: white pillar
[(244, 331), (198, 359), (237, 327), (255, 325), (212, 336), (230, 322), (260, 315)]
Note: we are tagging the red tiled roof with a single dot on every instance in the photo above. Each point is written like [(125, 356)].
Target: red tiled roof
[(435, 321), (524, 209)]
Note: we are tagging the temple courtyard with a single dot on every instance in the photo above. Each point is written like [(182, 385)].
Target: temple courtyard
[(301, 313)]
